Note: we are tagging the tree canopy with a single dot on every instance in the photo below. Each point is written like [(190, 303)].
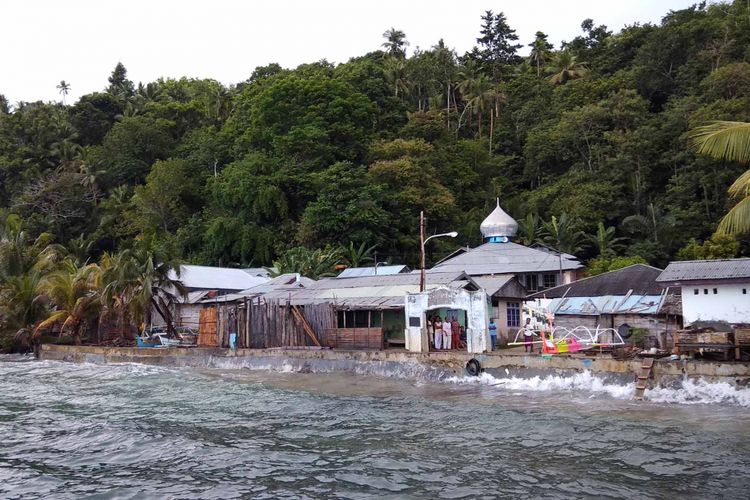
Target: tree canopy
[(586, 144)]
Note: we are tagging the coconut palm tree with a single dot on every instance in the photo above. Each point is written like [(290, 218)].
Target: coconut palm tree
[(23, 305), (64, 88), (729, 141), (154, 284), (540, 52), (395, 72), (479, 92), (74, 293), (565, 66), (395, 43)]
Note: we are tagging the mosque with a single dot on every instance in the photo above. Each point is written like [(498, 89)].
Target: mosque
[(536, 267)]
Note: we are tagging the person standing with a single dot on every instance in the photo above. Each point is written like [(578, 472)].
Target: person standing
[(446, 333), (528, 336), (431, 330), (455, 333), (493, 333), (438, 327)]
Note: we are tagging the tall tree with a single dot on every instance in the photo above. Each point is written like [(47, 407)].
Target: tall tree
[(497, 43), (540, 52), (119, 85), (64, 88), (395, 42)]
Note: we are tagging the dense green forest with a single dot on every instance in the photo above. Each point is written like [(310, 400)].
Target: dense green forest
[(585, 144)]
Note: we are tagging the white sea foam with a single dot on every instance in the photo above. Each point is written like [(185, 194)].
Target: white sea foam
[(579, 382), (701, 392), (687, 392)]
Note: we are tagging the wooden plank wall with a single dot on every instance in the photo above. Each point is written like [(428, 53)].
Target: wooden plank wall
[(354, 338), (262, 324)]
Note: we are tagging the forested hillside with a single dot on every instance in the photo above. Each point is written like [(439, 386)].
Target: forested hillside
[(585, 144)]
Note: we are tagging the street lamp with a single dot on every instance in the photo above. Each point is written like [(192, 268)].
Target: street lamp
[(378, 264), (422, 240)]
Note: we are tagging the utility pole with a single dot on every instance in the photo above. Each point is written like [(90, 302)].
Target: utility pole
[(421, 242)]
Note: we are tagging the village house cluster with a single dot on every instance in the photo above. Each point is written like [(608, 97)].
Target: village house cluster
[(500, 281)]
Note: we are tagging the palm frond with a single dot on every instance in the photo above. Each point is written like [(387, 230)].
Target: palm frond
[(737, 221), (741, 187), (723, 139)]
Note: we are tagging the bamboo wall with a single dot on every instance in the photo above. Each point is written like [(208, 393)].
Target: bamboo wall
[(264, 324)]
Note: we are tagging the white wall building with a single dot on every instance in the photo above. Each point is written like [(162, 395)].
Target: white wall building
[(712, 290)]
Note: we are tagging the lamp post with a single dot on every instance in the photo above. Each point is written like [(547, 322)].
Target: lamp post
[(422, 241)]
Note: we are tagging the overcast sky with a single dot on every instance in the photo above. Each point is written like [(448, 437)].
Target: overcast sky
[(80, 41)]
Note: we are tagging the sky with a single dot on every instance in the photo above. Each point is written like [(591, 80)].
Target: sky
[(81, 41)]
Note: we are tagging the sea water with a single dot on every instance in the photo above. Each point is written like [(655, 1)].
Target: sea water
[(133, 431)]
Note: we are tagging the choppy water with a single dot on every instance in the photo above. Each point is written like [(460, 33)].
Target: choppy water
[(130, 431)]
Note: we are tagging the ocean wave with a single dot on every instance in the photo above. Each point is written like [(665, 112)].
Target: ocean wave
[(579, 382), (686, 391), (701, 392)]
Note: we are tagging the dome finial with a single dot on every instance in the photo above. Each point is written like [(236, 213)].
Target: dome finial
[(498, 227)]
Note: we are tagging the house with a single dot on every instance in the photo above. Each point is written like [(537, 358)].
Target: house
[(369, 309), (358, 312), (536, 267), (626, 299), (222, 279), (357, 272), (712, 290), (203, 282), (506, 295)]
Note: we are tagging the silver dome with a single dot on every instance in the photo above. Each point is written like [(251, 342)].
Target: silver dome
[(499, 223)]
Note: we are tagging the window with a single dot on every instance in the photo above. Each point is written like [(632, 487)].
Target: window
[(514, 314), (696, 291), (532, 282), (705, 291), (744, 291), (549, 280), (352, 319), (715, 291)]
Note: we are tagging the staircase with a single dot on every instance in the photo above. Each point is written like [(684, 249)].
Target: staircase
[(644, 373)]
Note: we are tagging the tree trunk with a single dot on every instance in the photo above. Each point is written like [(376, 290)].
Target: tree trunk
[(166, 317)]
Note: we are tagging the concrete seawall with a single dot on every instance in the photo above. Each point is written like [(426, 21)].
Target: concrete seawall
[(500, 364)]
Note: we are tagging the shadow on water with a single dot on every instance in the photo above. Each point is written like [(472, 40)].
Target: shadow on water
[(132, 431)]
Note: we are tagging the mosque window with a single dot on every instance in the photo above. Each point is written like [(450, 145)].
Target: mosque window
[(514, 314)]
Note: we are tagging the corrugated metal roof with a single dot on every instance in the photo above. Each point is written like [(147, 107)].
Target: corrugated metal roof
[(704, 270), (258, 271), (493, 284), (433, 277), (607, 304), (216, 278), (508, 258), (369, 292), (356, 272), (637, 279)]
